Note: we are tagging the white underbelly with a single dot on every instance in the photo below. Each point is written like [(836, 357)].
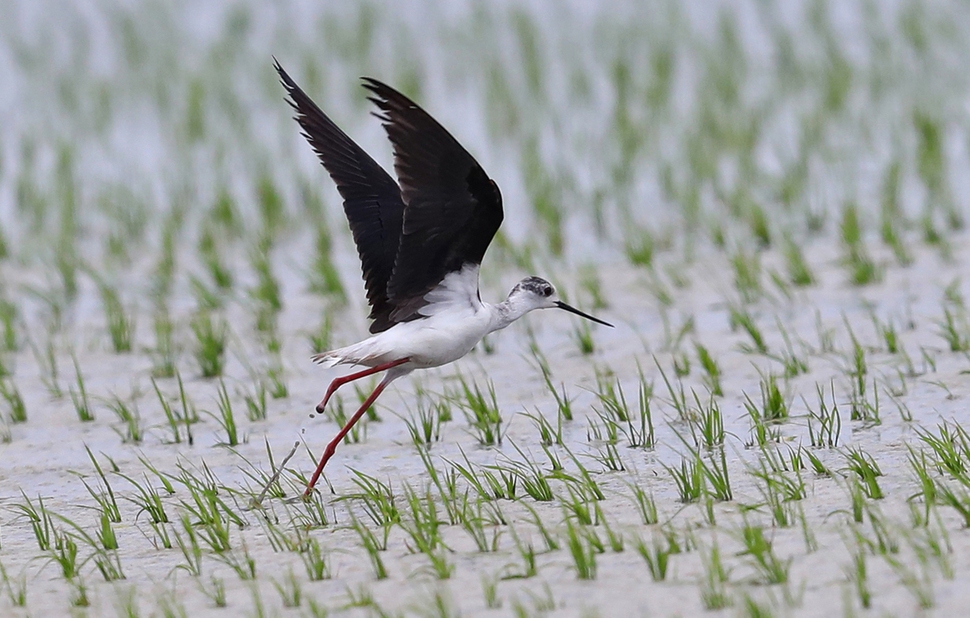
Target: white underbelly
[(441, 339)]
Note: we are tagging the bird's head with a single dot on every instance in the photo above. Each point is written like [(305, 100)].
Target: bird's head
[(537, 293)]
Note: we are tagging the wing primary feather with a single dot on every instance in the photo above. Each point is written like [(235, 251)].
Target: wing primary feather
[(372, 199), (453, 208)]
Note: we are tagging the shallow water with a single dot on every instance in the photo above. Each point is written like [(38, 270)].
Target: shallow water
[(116, 116)]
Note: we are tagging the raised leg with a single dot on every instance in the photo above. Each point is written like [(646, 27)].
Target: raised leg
[(332, 447), (338, 382)]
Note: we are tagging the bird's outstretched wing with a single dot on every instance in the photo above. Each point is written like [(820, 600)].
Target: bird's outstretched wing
[(372, 200), (453, 208)]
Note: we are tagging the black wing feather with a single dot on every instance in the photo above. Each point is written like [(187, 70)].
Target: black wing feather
[(372, 200), (453, 208)]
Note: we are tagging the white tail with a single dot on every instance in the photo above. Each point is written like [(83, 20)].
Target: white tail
[(327, 359)]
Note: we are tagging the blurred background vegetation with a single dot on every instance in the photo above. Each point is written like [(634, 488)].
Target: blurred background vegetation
[(147, 156)]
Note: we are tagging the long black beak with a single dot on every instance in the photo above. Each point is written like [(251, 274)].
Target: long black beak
[(566, 307)]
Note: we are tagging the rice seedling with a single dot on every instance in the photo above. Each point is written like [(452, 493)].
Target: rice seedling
[(863, 270), (762, 430), (609, 392), (608, 432), (888, 333), (712, 371), (128, 415), (79, 397), (751, 607), (109, 565), (674, 335), (15, 587), (955, 329), (794, 364), (190, 547), (583, 335), (740, 317), (533, 480), (323, 276), (951, 448), (266, 294), (528, 554), (580, 506), (548, 435), (584, 480), (215, 591), (277, 383), (107, 538), (425, 429), (165, 353), (885, 540), (664, 297), (490, 593), (377, 499), (105, 498), (482, 531), (824, 422), (550, 539), (867, 470), (771, 568), (148, 501), (207, 297), (211, 333), (41, 521), (172, 417), (779, 488), (423, 526), (79, 597), (315, 560), (681, 365), (16, 409), (645, 504), (9, 319), (47, 362), (747, 275), (714, 594), (321, 338), (919, 584), (121, 326), (609, 457), (592, 285), (256, 402), (799, 272), (481, 411), (707, 426), (289, 589), (689, 478), (226, 417), (718, 477), (857, 496), (678, 397), (657, 555), (584, 557)]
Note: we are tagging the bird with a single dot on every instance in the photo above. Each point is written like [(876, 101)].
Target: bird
[(420, 240)]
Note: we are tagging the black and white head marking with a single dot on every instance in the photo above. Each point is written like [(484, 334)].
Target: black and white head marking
[(536, 285)]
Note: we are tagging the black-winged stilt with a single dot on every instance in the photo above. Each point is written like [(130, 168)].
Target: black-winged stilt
[(420, 244)]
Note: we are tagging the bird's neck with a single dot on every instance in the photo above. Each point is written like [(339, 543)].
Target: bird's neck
[(504, 313)]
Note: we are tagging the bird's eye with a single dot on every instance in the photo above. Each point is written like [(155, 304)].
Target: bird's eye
[(547, 290)]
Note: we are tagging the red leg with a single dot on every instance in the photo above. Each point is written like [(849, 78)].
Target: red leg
[(338, 382), (332, 447)]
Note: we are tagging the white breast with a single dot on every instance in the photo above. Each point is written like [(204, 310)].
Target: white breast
[(452, 323), (455, 319)]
